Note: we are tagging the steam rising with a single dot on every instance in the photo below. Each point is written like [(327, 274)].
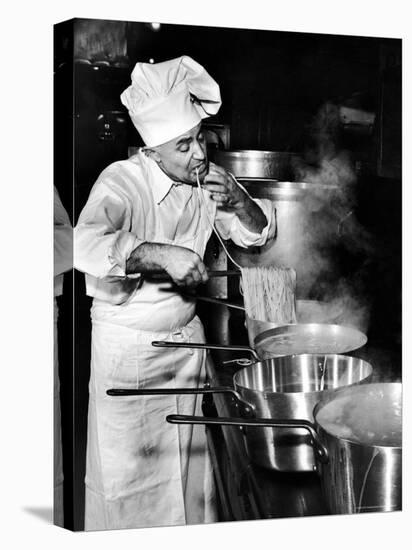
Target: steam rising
[(331, 221)]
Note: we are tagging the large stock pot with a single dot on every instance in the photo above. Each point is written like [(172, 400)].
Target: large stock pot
[(307, 227), (308, 214), (357, 440), (278, 388), (249, 163)]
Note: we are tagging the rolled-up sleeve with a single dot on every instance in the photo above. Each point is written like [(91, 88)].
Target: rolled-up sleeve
[(230, 227), (102, 238)]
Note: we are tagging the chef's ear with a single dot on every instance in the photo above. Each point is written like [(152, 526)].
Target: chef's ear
[(151, 153)]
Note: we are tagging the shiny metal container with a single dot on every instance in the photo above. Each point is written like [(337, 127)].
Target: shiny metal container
[(298, 338), (307, 311), (305, 224), (289, 388), (357, 475), (273, 390), (360, 477), (257, 164)]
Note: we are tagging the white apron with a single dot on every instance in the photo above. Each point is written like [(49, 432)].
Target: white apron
[(140, 470)]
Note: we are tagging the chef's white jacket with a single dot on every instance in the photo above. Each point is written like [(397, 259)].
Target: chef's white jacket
[(133, 202)]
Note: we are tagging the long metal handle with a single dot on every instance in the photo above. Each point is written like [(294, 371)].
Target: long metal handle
[(320, 449), (196, 345), (162, 276), (173, 391), (219, 302), (245, 407)]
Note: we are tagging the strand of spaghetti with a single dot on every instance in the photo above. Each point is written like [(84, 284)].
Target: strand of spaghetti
[(212, 222), (268, 292)]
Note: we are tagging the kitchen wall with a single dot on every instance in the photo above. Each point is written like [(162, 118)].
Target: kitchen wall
[(272, 83)]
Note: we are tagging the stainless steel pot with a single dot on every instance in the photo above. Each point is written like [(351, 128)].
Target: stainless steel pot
[(284, 387), (273, 340), (307, 312), (308, 214), (357, 441), (299, 338), (307, 227), (363, 473), (278, 165), (293, 339), (308, 338)]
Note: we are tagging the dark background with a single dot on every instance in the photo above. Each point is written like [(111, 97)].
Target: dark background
[(272, 85)]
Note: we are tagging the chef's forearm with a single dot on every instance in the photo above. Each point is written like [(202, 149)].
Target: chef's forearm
[(251, 216), (148, 258), (183, 265)]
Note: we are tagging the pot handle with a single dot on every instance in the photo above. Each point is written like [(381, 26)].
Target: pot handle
[(319, 449), (163, 277), (195, 345), (210, 300), (246, 408)]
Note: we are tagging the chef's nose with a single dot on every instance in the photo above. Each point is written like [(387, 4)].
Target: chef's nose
[(198, 152)]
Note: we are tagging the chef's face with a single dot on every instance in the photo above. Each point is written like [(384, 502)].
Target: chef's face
[(180, 157)]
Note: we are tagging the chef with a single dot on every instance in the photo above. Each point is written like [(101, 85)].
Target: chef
[(151, 213)]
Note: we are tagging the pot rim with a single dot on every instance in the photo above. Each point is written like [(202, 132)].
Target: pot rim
[(273, 184), (303, 393), (327, 399), (254, 152)]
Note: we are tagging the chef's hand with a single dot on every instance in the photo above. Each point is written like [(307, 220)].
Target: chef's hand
[(224, 189), (185, 267), (232, 198)]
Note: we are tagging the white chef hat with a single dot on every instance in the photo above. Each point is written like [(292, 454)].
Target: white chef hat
[(167, 99)]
